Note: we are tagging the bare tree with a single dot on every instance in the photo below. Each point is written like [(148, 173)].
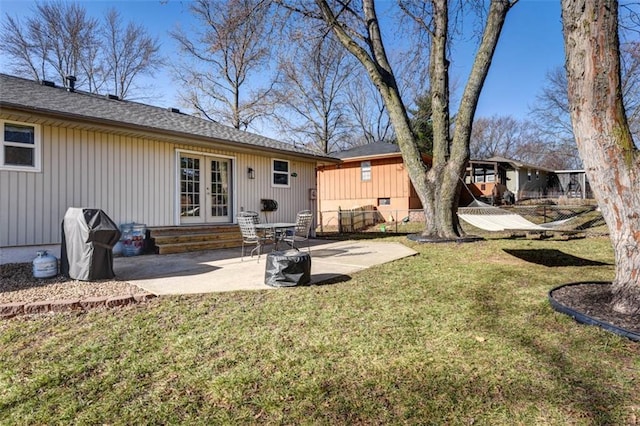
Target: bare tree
[(357, 27), (56, 41), (535, 148), (551, 119), (71, 34), (26, 45), (129, 53), (630, 70), (369, 113), (497, 135), (603, 136), (61, 40), (231, 45), (312, 95), (551, 110), (506, 136)]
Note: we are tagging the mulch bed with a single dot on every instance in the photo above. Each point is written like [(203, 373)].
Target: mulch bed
[(594, 300)]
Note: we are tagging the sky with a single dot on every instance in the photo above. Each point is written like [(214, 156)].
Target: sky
[(530, 46)]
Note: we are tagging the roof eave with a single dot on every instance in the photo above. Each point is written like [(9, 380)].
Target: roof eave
[(134, 128), (373, 157)]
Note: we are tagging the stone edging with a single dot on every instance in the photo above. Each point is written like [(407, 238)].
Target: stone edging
[(10, 310)]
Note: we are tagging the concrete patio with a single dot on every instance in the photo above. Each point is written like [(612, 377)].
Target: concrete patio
[(224, 270)]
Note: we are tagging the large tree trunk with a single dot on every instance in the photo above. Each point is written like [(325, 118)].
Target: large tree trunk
[(438, 187), (611, 161), (450, 157)]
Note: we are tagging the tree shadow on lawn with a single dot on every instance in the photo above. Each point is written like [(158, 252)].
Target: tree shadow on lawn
[(587, 391), (552, 258)]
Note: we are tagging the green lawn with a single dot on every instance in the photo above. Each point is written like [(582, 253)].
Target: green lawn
[(459, 334)]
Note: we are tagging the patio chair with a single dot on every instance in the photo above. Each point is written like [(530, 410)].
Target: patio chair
[(250, 236), (302, 229), (256, 219), (254, 215)]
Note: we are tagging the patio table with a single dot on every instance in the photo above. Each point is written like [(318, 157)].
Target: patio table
[(279, 230)]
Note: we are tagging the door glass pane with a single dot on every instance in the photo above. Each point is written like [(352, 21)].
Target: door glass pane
[(219, 188), (189, 187)]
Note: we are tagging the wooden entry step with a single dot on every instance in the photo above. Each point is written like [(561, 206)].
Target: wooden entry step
[(181, 239)]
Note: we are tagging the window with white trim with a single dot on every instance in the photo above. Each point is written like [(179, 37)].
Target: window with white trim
[(365, 170), (280, 173), (20, 146)]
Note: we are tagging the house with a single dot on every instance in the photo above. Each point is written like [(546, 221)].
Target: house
[(139, 163), (573, 184), (522, 179), (525, 181), (370, 177)]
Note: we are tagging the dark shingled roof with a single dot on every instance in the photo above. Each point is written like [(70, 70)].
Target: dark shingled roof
[(369, 150), (30, 95)]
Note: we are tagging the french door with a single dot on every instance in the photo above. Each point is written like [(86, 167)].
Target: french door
[(205, 189)]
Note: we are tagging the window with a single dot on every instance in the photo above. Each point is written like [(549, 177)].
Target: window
[(483, 174), (280, 172), (365, 170), (20, 146), (384, 201)]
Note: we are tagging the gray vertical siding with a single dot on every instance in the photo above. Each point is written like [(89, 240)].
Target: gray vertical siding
[(130, 178), (290, 200), (126, 177)]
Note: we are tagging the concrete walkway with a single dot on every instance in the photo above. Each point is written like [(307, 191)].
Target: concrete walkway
[(223, 270)]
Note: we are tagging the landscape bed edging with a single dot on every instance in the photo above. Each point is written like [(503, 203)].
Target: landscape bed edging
[(10, 310), (586, 319)]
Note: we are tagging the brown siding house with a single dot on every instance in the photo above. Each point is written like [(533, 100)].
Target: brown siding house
[(371, 177)]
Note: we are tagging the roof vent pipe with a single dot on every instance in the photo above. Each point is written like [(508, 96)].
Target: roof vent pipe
[(71, 83)]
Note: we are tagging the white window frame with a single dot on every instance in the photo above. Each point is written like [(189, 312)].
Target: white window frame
[(37, 148), (275, 172), (365, 171)]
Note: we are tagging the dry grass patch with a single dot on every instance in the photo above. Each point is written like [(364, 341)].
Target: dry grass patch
[(444, 337)]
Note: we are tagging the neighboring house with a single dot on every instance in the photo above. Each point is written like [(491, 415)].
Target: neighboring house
[(370, 177), (138, 163), (573, 184), (522, 179), (526, 181)]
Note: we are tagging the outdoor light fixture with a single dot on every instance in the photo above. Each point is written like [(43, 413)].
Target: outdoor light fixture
[(251, 174)]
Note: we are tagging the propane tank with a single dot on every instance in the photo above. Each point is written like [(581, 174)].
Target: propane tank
[(45, 265)]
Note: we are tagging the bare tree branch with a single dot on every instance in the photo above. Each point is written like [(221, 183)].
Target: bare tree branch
[(61, 40), (312, 91), (232, 45)]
